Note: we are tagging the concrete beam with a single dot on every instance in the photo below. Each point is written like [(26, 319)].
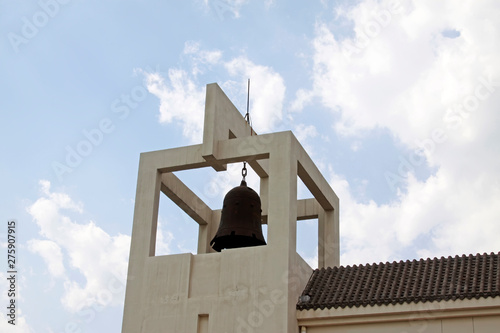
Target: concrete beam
[(307, 209), (222, 122), (315, 182), (186, 199), (175, 159)]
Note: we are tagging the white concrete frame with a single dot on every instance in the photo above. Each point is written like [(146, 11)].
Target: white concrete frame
[(219, 291)]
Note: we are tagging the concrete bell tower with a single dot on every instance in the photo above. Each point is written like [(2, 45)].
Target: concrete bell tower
[(252, 289)]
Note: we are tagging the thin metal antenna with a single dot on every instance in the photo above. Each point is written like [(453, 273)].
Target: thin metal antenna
[(247, 116)]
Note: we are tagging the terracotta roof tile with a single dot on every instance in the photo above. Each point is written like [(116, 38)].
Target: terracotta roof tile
[(415, 281)]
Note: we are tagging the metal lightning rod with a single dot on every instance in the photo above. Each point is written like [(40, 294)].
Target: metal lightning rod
[(247, 118)]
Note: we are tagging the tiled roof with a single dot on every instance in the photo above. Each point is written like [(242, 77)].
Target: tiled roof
[(415, 281)]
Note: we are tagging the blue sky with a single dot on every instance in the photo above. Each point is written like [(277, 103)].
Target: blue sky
[(396, 101)]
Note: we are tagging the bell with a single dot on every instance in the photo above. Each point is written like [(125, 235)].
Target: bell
[(240, 223)]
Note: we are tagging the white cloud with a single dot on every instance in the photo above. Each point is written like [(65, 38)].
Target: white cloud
[(163, 238), (224, 7), (20, 327), (356, 145), (101, 259), (191, 47), (267, 91), (302, 132), (222, 182), (201, 59), (268, 3), (405, 74), (180, 100), (312, 261), (51, 253), (453, 217), (302, 98), (232, 7), (400, 71)]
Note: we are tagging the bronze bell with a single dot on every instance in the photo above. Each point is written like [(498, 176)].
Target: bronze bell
[(240, 223)]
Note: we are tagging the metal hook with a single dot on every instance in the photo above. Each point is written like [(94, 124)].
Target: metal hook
[(244, 170)]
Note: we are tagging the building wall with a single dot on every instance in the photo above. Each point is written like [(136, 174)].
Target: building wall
[(238, 290), (460, 316), (488, 324)]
